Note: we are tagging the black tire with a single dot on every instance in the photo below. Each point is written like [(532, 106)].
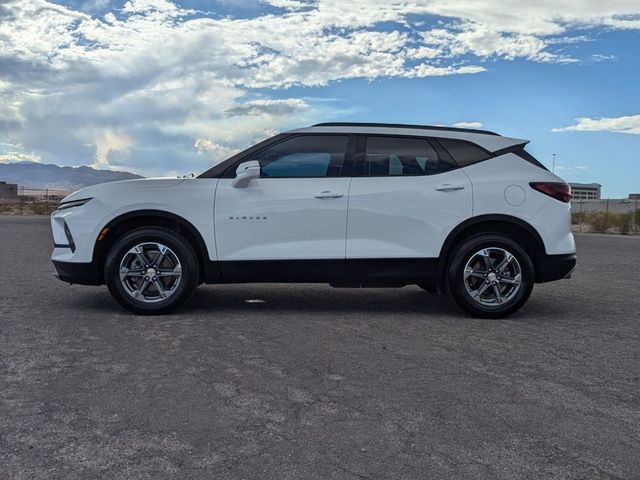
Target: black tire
[(456, 280), (184, 253)]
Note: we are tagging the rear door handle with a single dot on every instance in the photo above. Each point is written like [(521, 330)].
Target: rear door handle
[(447, 187), (328, 194)]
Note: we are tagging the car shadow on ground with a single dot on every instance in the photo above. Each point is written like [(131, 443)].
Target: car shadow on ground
[(251, 299), (289, 298)]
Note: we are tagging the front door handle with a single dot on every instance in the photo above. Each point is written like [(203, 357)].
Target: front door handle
[(447, 187), (328, 194)]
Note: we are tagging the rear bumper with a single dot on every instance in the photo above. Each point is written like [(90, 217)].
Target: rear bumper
[(78, 273), (555, 267)]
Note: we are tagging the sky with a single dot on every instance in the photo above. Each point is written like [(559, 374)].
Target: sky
[(168, 88)]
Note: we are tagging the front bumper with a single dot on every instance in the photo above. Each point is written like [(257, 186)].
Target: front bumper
[(77, 273), (555, 267), (75, 231)]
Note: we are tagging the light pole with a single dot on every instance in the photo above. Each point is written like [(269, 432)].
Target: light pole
[(554, 163)]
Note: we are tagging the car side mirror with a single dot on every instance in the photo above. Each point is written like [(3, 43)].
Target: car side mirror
[(246, 172)]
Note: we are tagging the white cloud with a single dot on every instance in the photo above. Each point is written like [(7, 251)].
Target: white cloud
[(271, 107), (572, 168), (10, 157), (600, 57), (165, 80), (626, 124), (287, 4), (220, 152), (467, 125), (424, 70), (107, 141)]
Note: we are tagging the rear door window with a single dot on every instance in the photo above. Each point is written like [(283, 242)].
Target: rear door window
[(387, 156)]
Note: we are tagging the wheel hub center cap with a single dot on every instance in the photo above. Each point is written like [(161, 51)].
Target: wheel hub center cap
[(492, 277), (151, 272)]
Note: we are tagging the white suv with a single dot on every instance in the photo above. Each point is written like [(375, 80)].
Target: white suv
[(467, 212)]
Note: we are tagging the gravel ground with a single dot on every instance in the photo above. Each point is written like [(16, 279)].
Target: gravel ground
[(316, 382)]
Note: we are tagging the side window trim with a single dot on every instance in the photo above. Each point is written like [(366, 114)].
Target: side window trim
[(360, 154), (230, 172), (441, 151), (349, 158)]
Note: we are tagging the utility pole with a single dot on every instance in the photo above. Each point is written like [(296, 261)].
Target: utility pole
[(636, 216), (580, 216), (554, 163)]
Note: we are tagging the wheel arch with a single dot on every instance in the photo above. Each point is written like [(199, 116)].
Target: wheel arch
[(513, 227), (148, 218)]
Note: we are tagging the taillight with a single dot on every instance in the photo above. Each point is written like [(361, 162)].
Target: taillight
[(559, 191)]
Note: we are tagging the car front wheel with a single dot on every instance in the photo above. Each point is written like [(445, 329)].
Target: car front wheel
[(151, 270), (490, 276)]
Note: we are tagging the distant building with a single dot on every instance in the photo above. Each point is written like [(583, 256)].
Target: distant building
[(8, 191), (585, 191), (634, 196)]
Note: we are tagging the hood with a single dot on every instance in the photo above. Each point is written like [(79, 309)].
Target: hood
[(122, 187)]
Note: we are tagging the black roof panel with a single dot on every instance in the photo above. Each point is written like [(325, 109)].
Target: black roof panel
[(402, 125)]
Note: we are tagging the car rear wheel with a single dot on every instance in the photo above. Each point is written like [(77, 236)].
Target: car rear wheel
[(151, 270), (490, 276)]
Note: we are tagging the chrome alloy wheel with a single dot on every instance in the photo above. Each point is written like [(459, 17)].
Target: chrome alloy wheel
[(492, 276), (150, 272)]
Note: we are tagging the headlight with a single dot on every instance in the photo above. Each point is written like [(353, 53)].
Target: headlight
[(73, 203)]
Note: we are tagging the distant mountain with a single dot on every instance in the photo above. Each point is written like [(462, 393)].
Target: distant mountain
[(40, 176)]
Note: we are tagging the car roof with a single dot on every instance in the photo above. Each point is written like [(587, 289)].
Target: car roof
[(488, 140), (404, 125)]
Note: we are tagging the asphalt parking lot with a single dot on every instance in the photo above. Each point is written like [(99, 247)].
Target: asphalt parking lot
[(318, 383)]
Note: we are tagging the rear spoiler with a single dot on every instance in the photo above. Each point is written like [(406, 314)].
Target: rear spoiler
[(491, 143), (519, 145)]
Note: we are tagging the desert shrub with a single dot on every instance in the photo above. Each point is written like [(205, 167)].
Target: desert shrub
[(577, 217), (27, 207), (625, 222), (42, 208), (600, 221)]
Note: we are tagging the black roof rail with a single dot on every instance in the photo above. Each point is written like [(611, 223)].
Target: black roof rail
[(402, 125)]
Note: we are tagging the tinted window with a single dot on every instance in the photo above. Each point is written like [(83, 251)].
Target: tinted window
[(522, 153), (304, 156), (397, 156), (464, 153)]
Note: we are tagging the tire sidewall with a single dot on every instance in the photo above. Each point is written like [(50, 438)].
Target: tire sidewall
[(179, 246), (455, 275)]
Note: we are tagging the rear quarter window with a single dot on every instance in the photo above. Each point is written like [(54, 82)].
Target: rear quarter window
[(464, 153), (522, 153)]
